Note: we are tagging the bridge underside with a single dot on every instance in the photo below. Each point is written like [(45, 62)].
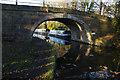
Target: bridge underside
[(78, 33)]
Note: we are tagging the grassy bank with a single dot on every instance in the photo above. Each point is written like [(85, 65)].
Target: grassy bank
[(28, 60)]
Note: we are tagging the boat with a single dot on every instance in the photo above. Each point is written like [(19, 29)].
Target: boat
[(60, 33), (40, 36), (42, 31), (54, 33)]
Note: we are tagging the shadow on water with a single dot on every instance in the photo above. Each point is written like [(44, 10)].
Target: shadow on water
[(77, 61), (87, 62)]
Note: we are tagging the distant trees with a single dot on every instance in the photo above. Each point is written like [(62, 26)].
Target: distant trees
[(52, 25), (100, 6), (84, 5), (73, 4)]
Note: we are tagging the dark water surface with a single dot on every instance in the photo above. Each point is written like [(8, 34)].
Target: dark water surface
[(83, 61), (78, 61)]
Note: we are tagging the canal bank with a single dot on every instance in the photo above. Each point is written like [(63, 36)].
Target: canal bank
[(37, 60), (28, 60)]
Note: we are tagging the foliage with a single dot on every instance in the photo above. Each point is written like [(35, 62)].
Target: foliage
[(116, 24), (53, 25), (23, 58)]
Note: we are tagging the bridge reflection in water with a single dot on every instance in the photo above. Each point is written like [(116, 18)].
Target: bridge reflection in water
[(62, 45), (81, 61)]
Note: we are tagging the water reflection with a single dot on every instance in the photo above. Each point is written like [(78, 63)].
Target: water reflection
[(86, 62), (81, 61), (60, 48), (62, 45)]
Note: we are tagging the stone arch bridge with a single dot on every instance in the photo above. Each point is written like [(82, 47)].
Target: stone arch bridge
[(19, 22)]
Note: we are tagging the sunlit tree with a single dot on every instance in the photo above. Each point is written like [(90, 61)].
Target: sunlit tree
[(73, 4), (91, 6)]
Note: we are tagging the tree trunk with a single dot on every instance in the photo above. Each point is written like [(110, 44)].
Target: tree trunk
[(16, 2), (100, 7)]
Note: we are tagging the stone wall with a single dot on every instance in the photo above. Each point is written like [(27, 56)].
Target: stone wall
[(19, 22)]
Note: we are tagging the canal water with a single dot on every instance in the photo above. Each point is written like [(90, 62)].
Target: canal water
[(78, 61)]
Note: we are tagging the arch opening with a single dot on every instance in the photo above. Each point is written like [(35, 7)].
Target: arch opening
[(79, 30)]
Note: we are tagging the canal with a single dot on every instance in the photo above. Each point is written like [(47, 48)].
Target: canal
[(75, 60)]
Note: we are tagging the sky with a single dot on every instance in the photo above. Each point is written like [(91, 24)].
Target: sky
[(40, 2), (23, 2), (30, 2)]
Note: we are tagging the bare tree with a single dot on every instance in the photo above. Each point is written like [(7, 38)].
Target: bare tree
[(91, 6), (43, 3), (16, 2), (100, 7), (86, 6)]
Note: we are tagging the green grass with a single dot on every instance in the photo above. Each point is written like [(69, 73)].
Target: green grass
[(23, 58)]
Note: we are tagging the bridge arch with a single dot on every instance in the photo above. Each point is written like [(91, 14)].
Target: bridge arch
[(79, 29)]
